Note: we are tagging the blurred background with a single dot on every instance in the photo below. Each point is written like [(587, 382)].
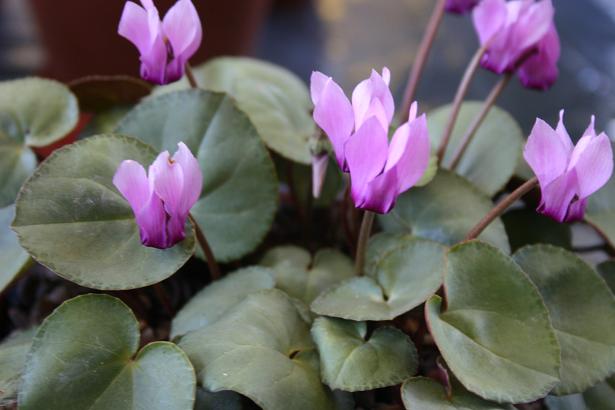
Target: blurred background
[(67, 39)]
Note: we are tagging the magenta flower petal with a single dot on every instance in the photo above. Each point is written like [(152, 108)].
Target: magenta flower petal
[(489, 17), (545, 153), (134, 26), (592, 159), (192, 178), (567, 175), (319, 171), (540, 70), (332, 113), (182, 28), (168, 180), (372, 97), (460, 6), (366, 155), (557, 197), (380, 193)]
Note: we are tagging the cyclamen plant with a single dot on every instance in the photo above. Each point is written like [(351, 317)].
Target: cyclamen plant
[(469, 294)]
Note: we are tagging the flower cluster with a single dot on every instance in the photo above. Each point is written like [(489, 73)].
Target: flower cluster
[(358, 131)]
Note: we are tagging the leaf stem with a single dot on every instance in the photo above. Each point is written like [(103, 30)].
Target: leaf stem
[(190, 76), (421, 57), (478, 120), (366, 229), (214, 270), (461, 92), (501, 207)]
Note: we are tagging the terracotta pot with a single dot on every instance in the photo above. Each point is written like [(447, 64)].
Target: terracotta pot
[(80, 36)]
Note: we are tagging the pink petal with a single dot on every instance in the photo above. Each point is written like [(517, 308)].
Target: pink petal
[(591, 129), (168, 181), (372, 97), (130, 179), (489, 17), (545, 153), (563, 135), (317, 84), (182, 27), (409, 153), (333, 113), (592, 160), (380, 194), (319, 171), (192, 178), (366, 155), (134, 26), (533, 23), (154, 63), (540, 70), (557, 196), (576, 210)]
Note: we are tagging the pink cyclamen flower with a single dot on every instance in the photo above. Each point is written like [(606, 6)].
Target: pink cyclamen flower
[(540, 70), (511, 31), (338, 118), (567, 174), (165, 46), (460, 6), (161, 200), (379, 171)]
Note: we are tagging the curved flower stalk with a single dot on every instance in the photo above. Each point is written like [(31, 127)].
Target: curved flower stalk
[(161, 200), (567, 174), (165, 46), (460, 6), (379, 171), (519, 35)]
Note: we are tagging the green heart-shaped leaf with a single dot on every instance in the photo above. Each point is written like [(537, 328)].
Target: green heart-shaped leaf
[(401, 279), (99, 93), (13, 258), (495, 333), (17, 162), (45, 110), (598, 397), (214, 300), (528, 227), (304, 277), (262, 349), (13, 352), (71, 218), (444, 211), (349, 361), (492, 156), (240, 189), (82, 358), (421, 393), (582, 310), (607, 270), (277, 101), (222, 400)]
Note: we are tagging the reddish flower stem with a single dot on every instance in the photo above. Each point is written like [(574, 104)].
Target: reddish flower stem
[(501, 207), (190, 76), (461, 92), (366, 229), (478, 120), (421, 57), (214, 269)]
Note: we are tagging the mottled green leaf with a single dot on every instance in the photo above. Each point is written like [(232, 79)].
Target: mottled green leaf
[(17, 161), (582, 311), (71, 218), (598, 397), (444, 211), (421, 393), (399, 280), (494, 333), (13, 352), (277, 101), (13, 258), (240, 189), (214, 300), (83, 357), (261, 349), (492, 156), (304, 277), (351, 361)]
